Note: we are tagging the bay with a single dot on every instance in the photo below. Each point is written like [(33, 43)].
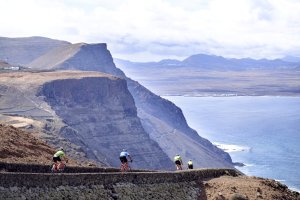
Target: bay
[(261, 132)]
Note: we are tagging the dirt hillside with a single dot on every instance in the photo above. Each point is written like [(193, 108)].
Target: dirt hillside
[(17, 146), (246, 188)]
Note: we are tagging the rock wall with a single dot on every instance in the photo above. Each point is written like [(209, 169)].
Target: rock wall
[(37, 168), (135, 185)]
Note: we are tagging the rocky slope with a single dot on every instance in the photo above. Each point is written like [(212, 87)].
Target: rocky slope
[(246, 188), (94, 112), (17, 146), (162, 120)]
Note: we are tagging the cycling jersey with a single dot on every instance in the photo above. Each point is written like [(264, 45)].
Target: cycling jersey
[(124, 153), (177, 158), (190, 163), (59, 154)]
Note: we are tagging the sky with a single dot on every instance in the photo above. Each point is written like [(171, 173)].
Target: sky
[(151, 30)]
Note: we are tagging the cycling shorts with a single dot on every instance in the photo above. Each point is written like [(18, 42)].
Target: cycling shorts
[(123, 159), (177, 162), (55, 159)]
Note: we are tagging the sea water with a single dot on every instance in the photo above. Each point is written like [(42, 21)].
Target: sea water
[(261, 132)]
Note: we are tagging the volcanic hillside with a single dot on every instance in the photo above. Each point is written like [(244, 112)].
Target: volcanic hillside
[(17, 146)]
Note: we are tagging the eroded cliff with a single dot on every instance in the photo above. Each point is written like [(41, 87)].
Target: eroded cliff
[(94, 112), (101, 116)]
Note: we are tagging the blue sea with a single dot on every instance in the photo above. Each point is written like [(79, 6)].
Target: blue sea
[(261, 132)]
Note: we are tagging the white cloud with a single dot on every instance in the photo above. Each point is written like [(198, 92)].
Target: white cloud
[(155, 29)]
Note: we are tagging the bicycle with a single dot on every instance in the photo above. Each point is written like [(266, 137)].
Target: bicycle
[(179, 165), (58, 167), (125, 167)]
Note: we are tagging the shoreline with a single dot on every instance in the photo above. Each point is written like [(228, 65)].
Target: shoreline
[(225, 95), (236, 150)]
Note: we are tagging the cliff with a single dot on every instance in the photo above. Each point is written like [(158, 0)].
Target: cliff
[(93, 114), (163, 122)]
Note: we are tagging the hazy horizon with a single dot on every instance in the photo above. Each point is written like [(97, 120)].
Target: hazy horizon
[(140, 30)]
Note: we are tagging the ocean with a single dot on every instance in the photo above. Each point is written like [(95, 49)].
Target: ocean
[(261, 132)]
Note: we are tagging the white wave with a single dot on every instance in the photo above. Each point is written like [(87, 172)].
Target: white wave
[(280, 180), (294, 189), (231, 147)]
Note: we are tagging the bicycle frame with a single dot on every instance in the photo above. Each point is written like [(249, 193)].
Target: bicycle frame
[(179, 167), (58, 167), (125, 167)]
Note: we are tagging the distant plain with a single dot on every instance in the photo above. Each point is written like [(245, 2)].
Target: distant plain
[(191, 82)]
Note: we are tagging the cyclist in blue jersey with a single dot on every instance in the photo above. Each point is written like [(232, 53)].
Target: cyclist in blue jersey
[(124, 155)]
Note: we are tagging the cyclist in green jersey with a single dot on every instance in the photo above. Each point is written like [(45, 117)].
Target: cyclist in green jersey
[(59, 156)]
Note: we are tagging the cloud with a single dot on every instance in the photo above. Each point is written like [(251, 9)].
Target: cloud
[(162, 28)]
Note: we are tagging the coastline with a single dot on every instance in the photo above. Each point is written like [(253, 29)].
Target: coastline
[(207, 113)]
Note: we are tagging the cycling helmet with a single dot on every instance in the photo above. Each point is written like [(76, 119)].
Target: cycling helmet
[(61, 148), (124, 149)]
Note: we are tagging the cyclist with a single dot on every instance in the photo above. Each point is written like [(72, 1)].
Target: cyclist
[(59, 156), (123, 157), (190, 164), (178, 162)]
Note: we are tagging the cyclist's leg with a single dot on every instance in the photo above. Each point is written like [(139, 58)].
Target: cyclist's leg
[(177, 163), (126, 166), (54, 165), (122, 167)]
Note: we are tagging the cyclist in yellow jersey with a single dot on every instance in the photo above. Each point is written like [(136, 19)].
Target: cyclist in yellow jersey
[(178, 162), (190, 164)]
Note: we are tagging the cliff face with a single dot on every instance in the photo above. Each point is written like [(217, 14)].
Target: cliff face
[(165, 124), (101, 117), (92, 114)]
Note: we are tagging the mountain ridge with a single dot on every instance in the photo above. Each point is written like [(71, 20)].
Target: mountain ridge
[(205, 61)]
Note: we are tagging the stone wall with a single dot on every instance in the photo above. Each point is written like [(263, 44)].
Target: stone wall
[(36, 168), (109, 185)]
